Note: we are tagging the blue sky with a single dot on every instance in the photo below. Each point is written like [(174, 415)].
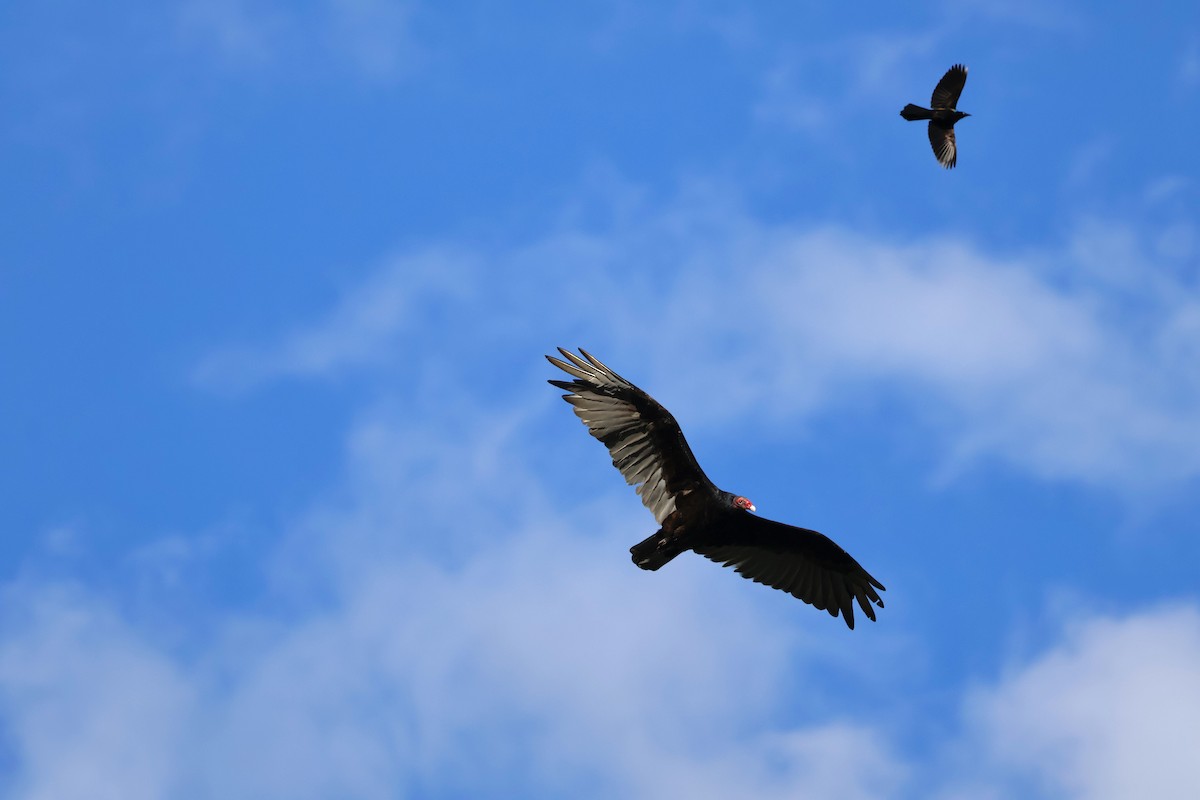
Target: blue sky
[(290, 511)]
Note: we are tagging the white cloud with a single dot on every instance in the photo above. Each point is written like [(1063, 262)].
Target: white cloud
[(364, 328), (1073, 362), (545, 665), (536, 661), (818, 87), (541, 663), (370, 36), (1053, 17), (1189, 66), (1046, 378), (96, 712), (1109, 713)]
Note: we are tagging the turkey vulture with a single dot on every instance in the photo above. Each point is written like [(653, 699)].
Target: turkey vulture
[(942, 115), (648, 448)]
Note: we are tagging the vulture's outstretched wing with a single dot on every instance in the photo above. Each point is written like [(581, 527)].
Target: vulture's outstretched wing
[(803, 563), (643, 438)]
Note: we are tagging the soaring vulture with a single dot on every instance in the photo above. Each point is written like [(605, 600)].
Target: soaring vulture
[(648, 448)]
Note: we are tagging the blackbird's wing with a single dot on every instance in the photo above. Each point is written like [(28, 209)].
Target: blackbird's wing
[(944, 145), (945, 94), (642, 437), (804, 563)]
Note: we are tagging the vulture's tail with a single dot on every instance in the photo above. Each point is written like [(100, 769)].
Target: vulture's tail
[(654, 551)]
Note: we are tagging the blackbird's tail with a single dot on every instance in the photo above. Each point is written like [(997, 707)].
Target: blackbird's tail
[(656, 550), (911, 112)]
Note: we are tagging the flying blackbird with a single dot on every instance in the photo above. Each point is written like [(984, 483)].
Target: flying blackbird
[(943, 115)]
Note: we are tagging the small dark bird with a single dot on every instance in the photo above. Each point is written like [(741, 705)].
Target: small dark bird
[(648, 448), (943, 115)]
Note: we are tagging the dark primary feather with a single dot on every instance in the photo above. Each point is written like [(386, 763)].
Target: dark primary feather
[(642, 437), (804, 563), (949, 88), (647, 446), (945, 147)]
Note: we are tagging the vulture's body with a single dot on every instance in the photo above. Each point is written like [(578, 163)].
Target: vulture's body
[(648, 448)]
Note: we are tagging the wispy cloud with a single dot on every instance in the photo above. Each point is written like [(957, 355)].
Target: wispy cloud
[(94, 709), (370, 36), (364, 327), (539, 664), (533, 660), (1110, 712), (820, 86), (1189, 66), (1058, 17), (1074, 361), (542, 664)]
